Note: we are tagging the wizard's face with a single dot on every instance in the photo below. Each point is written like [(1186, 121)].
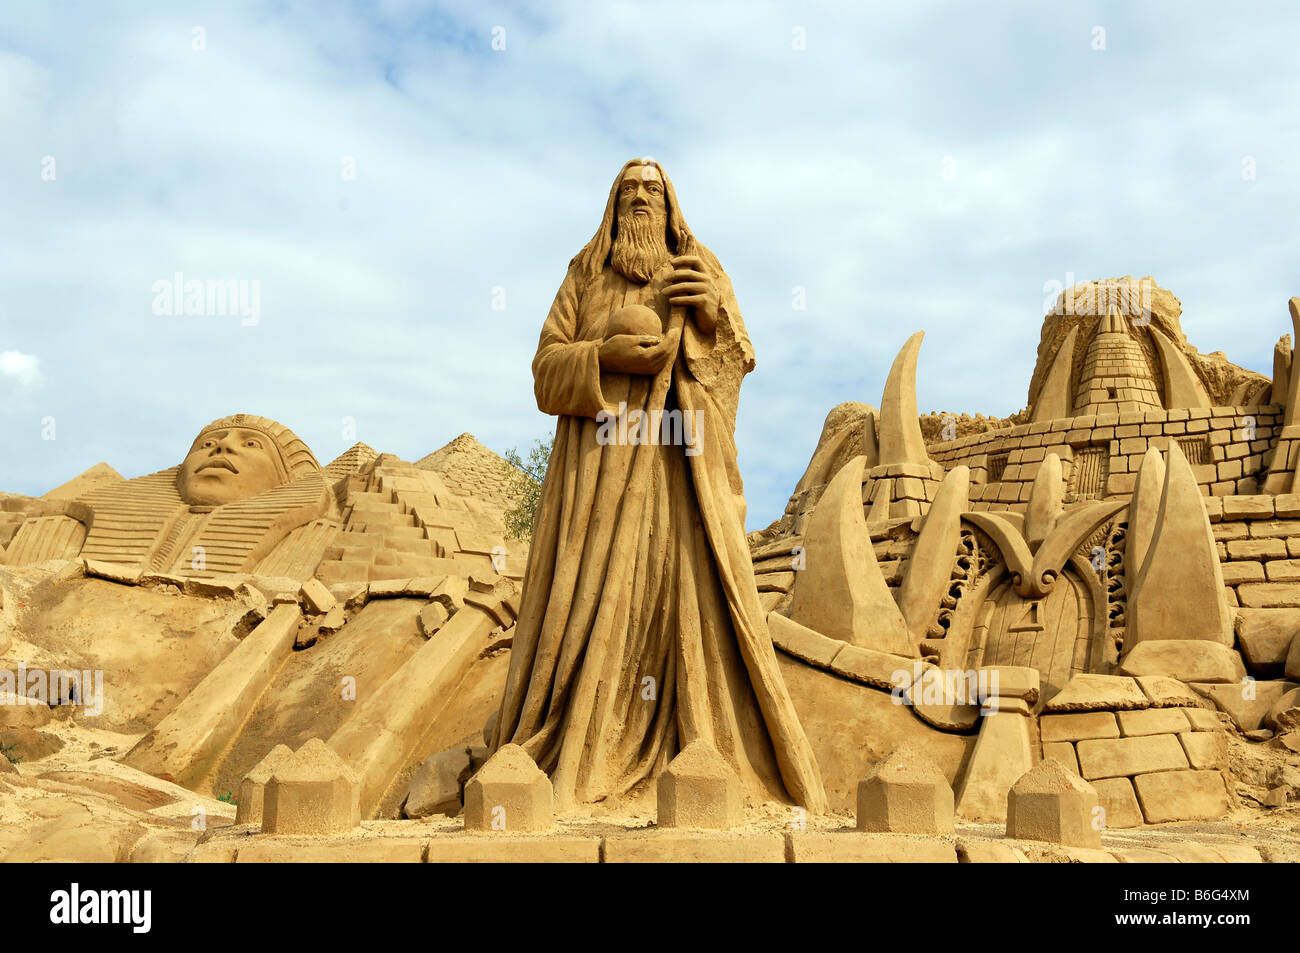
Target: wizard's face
[(641, 193), (225, 466), (640, 242)]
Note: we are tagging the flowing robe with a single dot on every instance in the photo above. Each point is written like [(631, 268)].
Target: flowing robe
[(640, 629)]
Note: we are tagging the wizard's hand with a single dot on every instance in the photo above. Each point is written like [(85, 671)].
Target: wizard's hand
[(688, 285), (634, 354)]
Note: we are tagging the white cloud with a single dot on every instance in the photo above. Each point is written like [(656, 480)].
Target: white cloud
[(24, 369)]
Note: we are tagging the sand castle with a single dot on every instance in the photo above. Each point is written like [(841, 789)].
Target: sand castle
[(1058, 636)]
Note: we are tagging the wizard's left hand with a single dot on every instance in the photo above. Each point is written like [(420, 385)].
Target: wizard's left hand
[(688, 285)]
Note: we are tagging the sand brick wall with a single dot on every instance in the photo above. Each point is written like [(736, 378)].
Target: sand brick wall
[(1228, 448)]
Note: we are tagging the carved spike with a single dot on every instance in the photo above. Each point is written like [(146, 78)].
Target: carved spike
[(1115, 323), (929, 571), (1046, 501), (1144, 508), (1182, 387), (900, 428), (1281, 369), (1054, 399), (842, 593), (840, 434), (1179, 591), (878, 517), (870, 448), (1293, 381)]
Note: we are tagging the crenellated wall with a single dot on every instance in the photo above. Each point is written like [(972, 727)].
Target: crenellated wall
[(1229, 449)]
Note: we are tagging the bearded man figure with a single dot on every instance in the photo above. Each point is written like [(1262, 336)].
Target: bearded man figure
[(640, 629)]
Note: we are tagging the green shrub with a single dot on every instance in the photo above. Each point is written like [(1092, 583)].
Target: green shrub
[(525, 487)]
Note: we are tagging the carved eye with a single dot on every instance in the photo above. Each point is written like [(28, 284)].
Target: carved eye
[(654, 188), (253, 443), (209, 443)]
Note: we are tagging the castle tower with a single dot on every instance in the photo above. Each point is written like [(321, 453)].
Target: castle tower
[(1115, 377)]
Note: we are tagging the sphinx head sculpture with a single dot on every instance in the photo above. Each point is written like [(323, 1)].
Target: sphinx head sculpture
[(239, 457)]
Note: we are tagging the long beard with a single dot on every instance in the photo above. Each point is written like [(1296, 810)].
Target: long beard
[(640, 247)]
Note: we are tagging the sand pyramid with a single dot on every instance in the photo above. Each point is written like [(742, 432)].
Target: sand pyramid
[(98, 475)]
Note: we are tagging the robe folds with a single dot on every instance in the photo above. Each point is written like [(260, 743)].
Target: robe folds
[(640, 629)]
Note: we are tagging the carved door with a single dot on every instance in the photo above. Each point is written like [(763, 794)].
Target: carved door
[(1049, 634)]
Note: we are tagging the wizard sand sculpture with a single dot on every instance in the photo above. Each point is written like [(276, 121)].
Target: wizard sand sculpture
[(640, 630)]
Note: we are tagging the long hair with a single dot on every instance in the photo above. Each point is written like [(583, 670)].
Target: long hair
[(595, 254)]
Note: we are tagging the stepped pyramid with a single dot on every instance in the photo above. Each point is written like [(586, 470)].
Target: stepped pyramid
[(353, 460), (471, 469), (403, 522)]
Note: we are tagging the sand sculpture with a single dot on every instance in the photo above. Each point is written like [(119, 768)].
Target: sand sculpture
[(248, 495), (640, 630), (1079, 623), (1109, 568), (327, 637)]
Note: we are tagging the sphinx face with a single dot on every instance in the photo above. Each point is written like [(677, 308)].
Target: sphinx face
[(225, 466)]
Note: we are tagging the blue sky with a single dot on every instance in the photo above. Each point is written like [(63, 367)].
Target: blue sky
[(920, 165)]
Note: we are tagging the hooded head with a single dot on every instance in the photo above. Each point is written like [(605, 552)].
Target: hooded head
[(238, 457), (642, 206)]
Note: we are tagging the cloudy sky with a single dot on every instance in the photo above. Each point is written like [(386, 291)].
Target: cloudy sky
[(384, 174)]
